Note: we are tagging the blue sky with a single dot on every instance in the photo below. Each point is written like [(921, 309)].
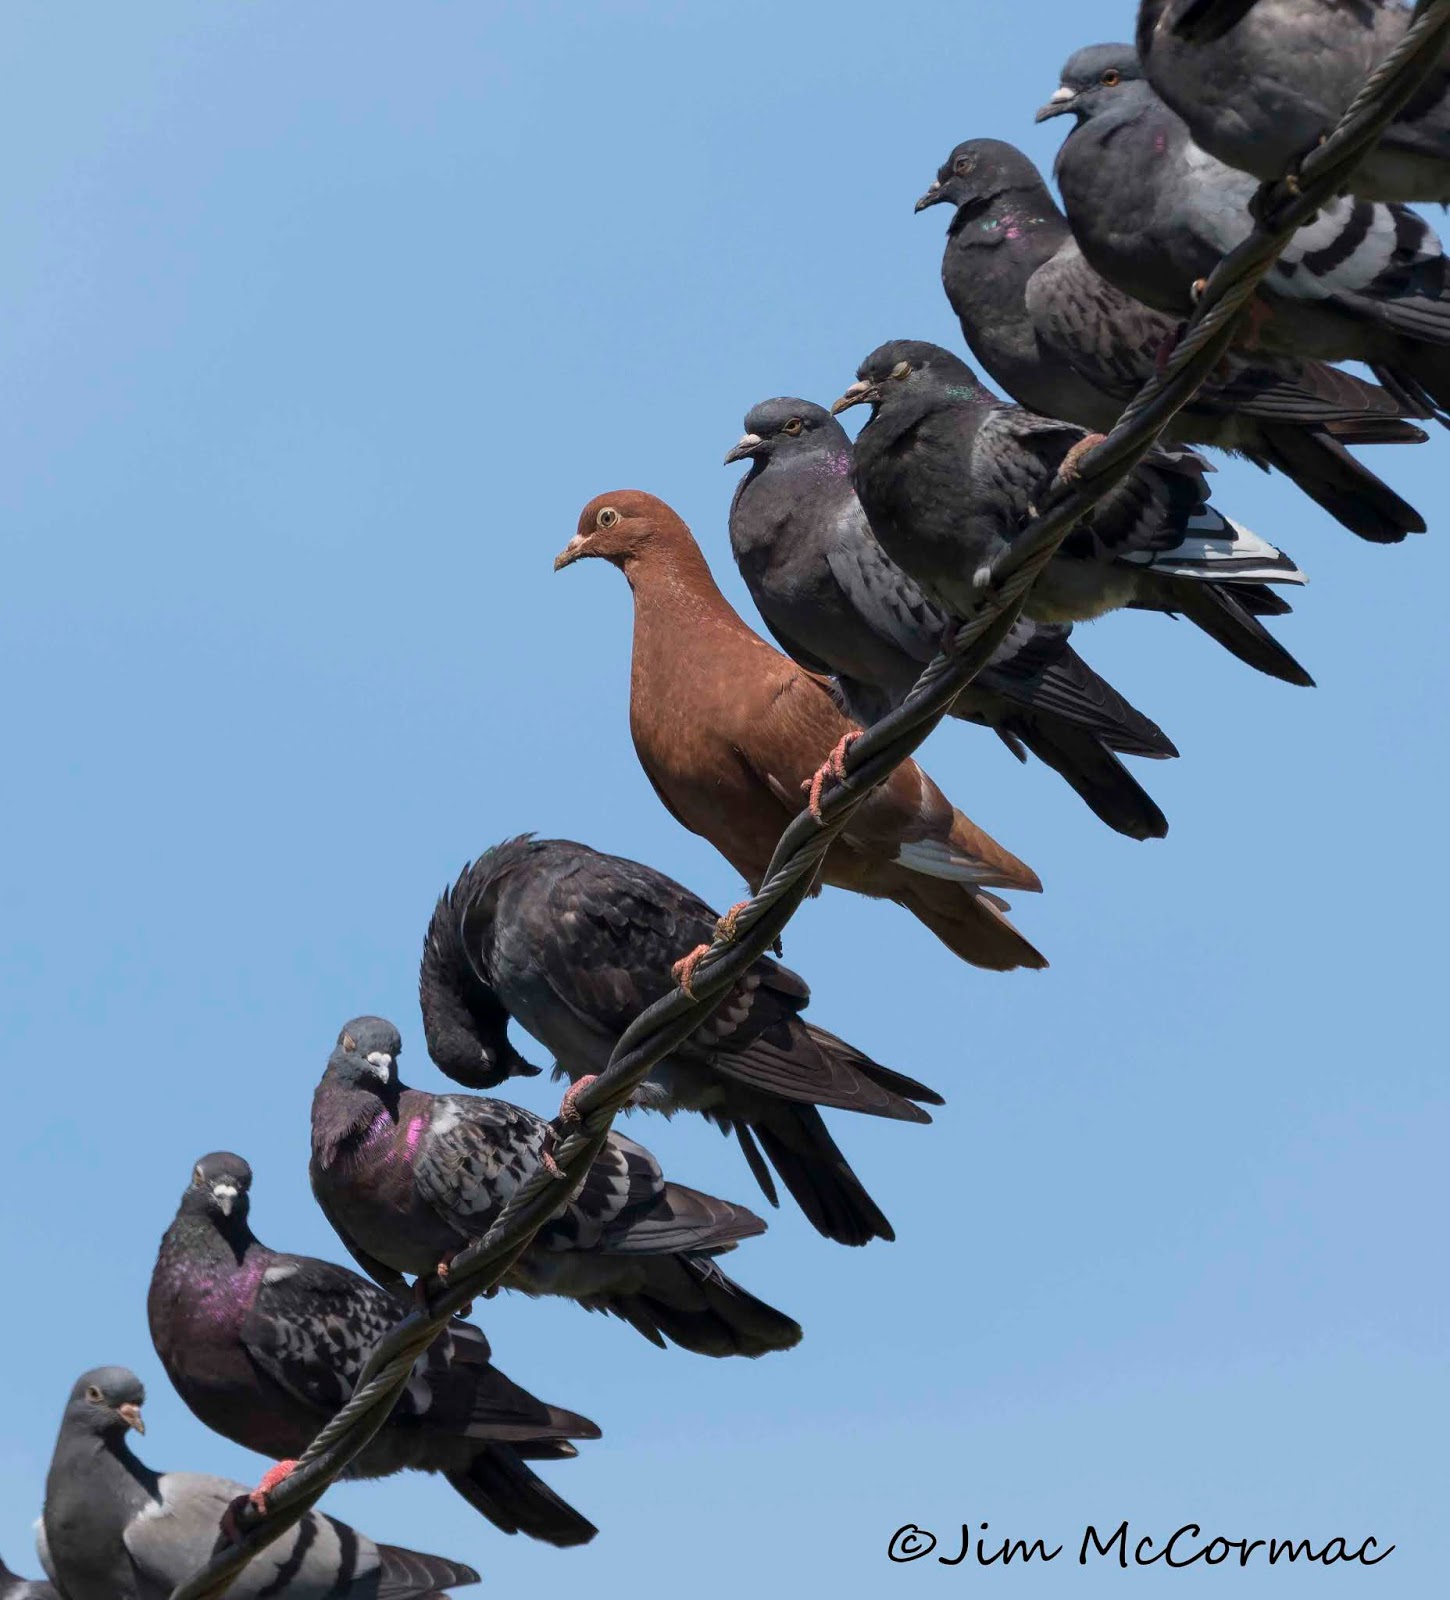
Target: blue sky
[(320, 324)]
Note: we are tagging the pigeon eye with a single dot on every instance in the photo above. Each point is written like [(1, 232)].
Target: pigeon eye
[(349, 1043), (793, 427), (901, 369), (1112, 78), (607, 517), (963, 165), (93, 1394)]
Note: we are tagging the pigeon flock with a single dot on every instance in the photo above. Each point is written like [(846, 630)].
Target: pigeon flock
[(861, 560)]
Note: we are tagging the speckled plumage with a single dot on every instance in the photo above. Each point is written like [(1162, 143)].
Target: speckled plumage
[(408, 1179), (949, 476), (1154, 214), (1063, 341), (835, 602), (265, 1347), (573, 945), (1261, 82)]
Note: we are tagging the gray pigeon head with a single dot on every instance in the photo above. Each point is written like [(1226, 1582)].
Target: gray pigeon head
[(908, 368), (784, 427), (367, 1052), (106, 1401), (1095, 80), (978, 172), (219, 1186)]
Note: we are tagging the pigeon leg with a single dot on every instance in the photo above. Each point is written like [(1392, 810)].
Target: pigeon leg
[(568, 1107), (270, 1479), (1071, 468), (683, 971), (834, 766), (257, 1499), (420, 1291)]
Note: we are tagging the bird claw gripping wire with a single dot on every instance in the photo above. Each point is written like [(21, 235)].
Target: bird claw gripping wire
[(568, 1106), (834, 766), (1071, 469), (683, 971), (727, 929), (257, 1499), (270, 1479)]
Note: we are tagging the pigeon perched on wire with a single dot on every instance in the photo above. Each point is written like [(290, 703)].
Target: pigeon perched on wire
[(408, 1179), (14, 1587), (835, 603), (737, 740), (1062, 340), (266, 1347), (573, 945), (1155, 214), (949, 476), (1261, 83), (115, 1530)]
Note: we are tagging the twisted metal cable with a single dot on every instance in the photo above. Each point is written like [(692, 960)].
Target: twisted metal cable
[(1280, 209)]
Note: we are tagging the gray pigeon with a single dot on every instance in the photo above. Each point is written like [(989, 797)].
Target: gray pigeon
[(1060, 339), (836, 604), (409, 1179), (115, 1530), (14, 1587), (574, 945), (265, 1347), (949, 475), (1155, 214), (1260, 84)]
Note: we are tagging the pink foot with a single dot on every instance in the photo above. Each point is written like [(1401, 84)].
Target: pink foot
[(270, 1479), (834, 766), (683, 971), (1071, 469), (568, 1107), (728, 925)]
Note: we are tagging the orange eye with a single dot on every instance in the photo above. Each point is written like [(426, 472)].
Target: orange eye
[(1112, 78), (793, 427)]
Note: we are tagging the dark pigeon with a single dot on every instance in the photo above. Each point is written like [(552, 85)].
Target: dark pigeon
[(265, 1347), (949, 475), (574, 945), (1061, 340), (836, 604), (409, 1179), (1155, 214), (115, 1530), (14, 1587), (1261, 84)]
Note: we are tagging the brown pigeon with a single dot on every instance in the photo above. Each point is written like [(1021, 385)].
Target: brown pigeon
[(732, 734)]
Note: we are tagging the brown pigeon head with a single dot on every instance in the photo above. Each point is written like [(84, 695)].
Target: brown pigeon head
[(622, 526)]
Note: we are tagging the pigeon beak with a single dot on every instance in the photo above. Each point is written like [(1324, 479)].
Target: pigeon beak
[(747, 446), (130, 1414), (571, 552), (1058, 105), (225, 1195), (932, 197), (857, 395), (382, 1062)]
